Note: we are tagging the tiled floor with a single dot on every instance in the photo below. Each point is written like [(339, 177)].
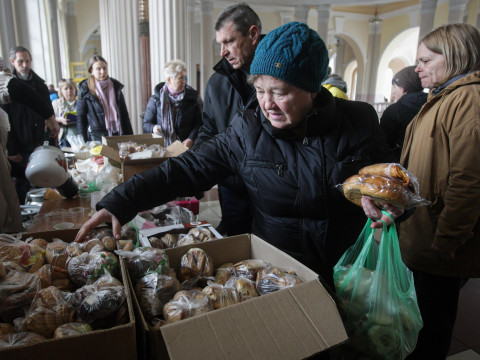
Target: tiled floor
[(466, 336)]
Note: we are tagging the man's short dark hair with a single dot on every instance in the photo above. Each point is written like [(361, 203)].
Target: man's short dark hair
[(16, 49), (241, 16)]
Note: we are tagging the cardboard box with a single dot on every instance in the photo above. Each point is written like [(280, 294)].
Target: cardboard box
[(293, 323), (144, 234), (115, 343), (131, 167)]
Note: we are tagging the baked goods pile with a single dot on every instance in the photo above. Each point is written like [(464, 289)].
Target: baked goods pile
[(195, 235), (384, 183), (132, 150), (57, 289), (166, 296)]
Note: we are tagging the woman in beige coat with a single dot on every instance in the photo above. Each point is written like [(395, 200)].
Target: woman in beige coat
[(441, 242)]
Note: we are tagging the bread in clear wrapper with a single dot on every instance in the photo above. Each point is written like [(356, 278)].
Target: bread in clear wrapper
[(221, 296), (249, 268), (154, 291), (87, 268), (384, 183), (272, 279), (72, 329), (224, 272), (24, 338), (196, 262), (245, 288), (143, 260), (185, 304)]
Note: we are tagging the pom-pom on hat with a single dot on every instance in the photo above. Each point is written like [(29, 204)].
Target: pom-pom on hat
[(408, 79), (293, 53)]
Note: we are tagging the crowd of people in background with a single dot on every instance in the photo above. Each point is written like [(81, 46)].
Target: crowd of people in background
[(277, 132)]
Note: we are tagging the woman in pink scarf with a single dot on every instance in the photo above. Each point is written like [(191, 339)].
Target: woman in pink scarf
[(101, 108)]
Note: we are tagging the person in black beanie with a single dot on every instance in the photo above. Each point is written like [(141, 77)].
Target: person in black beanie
[(408, 93)]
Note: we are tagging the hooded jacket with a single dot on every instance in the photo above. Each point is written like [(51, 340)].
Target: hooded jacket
[(441, 149), (91, 116), (291, 180), (188, 118), (396, 117), (27, 127)]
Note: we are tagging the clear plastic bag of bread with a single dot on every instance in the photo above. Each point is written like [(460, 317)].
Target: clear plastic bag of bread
[(271, 279), (29, 256), (48, 311), (249, 268), (21, 339), (185, 304), (384, 183), (51, 275), (99, 300), (72, 329), (197, 283), (143, 260), (186, 239), (17, 292), (244, 287), (224, 272), (87, 268), (196, 262), (221, 296), (154, 291), (201, 233)]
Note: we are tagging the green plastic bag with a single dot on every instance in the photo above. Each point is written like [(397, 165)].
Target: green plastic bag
[(377, 297)]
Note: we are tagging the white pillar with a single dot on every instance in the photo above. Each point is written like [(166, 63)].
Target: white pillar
[(121, 49), (456, 11), (339, 69), (208, 34), (301, 13), (7, 29), (285, 17), (167, 34), (190, 40), (56, 65), (323, 18), (427, 15), (375, 26)]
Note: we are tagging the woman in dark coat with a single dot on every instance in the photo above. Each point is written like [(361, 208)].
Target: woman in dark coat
[(291, 152), (175, 109), (101, 108)]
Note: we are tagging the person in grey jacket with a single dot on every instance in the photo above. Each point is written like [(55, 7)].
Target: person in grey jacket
[(175, 109), (101, 107), (291, 152)]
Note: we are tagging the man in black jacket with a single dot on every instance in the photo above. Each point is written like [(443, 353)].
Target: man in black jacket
[(237, 31), (27, 127), (408, 93)]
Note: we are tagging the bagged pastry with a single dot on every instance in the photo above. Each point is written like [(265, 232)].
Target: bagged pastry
[(221, 296), (249, 268), (224, 272), (72, 329), (143, 260), (272, 279), (20, 339), (99, 303), (185, 304), (44, 321), (201, 233), (196, 262), (244, 287), (87, 268), (154, 291)]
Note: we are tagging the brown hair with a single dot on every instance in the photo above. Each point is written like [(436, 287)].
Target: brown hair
[(460, 46), (91, 80)]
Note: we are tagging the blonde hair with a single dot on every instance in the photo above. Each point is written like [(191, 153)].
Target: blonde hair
[(460, 46), (173, 67), (63, 83)]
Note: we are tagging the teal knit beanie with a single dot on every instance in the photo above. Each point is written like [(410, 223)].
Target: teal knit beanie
[(293, 53)]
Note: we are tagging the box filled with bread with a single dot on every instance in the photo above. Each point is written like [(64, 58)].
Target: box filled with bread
[(137, 153), (63, 299), (232, 298)]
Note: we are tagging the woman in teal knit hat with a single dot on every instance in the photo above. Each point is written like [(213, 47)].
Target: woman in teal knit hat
[(291, 152)]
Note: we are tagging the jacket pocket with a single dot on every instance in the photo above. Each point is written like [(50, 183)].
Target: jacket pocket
[(280, 167)]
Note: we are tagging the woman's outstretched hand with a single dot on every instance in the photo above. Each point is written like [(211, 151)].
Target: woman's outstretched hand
[(103, 216)]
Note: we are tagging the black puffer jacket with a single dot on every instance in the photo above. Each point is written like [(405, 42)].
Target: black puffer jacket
[(396, 117), (291, 180), (187, 120), (90, 114), (27, 127)]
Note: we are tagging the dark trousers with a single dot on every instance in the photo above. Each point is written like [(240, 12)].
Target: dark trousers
[(236, 211), (22, 185), (438, 302)]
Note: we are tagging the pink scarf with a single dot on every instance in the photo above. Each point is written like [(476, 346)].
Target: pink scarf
[(106, 93)]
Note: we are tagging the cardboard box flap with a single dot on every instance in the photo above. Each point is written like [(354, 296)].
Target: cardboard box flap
[(111, 153), (147, 139), (282, 325), (176, 148)]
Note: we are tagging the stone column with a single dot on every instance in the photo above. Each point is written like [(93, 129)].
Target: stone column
[(191, 41), (121, 49), (339, 69), (427, 15), (144, 33), (7, 29), (373, 50), (167, 34), (56, 66), (208, 34), (285, 17), (323, 19), (456, 11), (301, 13), (478, 18)]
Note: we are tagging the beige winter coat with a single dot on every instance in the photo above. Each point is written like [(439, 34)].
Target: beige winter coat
[(442, 148)]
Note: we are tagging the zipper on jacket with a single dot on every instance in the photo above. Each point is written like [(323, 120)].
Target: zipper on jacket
[(279, 168)]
